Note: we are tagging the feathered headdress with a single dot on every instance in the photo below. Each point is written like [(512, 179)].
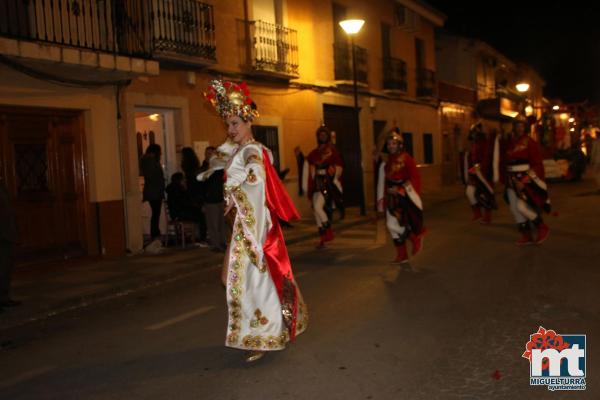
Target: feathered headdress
[(230, 98)]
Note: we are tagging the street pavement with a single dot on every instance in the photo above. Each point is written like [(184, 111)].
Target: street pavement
[(452, 326)]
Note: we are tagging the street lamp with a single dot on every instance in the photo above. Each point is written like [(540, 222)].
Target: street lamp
[(522, 87), (352, 27)]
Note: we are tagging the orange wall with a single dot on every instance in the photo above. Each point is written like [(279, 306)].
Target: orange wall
[(298, 112)]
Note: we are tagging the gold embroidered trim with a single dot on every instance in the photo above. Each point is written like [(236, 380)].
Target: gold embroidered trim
[(260, 319), (235, 290), (265, 342), (303, 311), (251, 176), (289, 301), (253, 158)]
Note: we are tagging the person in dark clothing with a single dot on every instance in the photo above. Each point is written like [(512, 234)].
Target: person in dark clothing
[(181, 206), (214, 211), (282, 175), (208, 153), (190, 165), (213, 180), (154, 186), (300, 164), (8, 237)]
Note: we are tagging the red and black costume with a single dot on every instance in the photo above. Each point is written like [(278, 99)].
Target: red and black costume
[(323, 183), (526, 191), (398, 193), (480, 171)]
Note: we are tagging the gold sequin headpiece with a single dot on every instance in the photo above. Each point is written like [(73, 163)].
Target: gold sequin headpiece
[(395, 135), (230, 99)]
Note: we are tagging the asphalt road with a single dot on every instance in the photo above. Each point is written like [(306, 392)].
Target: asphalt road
[(454, 326)]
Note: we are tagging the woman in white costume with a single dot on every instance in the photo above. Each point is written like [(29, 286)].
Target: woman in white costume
[(265, 306)]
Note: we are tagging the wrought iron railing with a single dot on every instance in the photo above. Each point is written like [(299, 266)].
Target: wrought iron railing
[(184, 27), (129, 27), (394, 74), (103, 25), (274, 48), (425, 83), (342, 57)]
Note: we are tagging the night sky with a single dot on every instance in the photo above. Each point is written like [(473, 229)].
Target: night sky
[(560, 39)]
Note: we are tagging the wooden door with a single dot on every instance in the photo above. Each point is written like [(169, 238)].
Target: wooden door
[(43, 163), (343, 121)]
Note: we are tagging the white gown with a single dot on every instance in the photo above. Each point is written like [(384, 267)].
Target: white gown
[(256, 316)]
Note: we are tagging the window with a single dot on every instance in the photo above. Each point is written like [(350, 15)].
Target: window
[(378, 129), (408, 142), (268, 136), (339, 14), (420, 53), (386, 47), (446, 147), (406, 19), (428, 148)]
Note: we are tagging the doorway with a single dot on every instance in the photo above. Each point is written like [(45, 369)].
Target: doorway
[(342, 122), (155, 126), (42, 160)]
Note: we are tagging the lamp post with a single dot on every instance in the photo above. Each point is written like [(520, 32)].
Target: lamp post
[(352, 27), (522, 87)]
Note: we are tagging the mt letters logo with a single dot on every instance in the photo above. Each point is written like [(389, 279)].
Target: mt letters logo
[(556, 361)]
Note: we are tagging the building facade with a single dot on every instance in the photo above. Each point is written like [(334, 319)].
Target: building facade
[(126, 74), (478, 83)]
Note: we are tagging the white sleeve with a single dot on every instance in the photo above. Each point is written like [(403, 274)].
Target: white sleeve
[(305, 177), (381, 182), (254, 166), (246, 166)]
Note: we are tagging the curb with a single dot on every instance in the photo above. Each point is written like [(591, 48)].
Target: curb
[(137, 285)]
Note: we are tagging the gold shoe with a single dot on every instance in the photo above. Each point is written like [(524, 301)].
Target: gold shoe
[(252, 356)]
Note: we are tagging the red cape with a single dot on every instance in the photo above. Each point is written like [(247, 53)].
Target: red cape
[(281, 207)]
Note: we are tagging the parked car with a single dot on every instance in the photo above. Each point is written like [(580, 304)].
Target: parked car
[(567, 165)]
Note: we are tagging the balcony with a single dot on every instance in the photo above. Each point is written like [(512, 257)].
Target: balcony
[(88, 39), (183, 31), (394, 75), (109, 39), (425, 83), (342, 58), (273, 50), (97, 25)]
